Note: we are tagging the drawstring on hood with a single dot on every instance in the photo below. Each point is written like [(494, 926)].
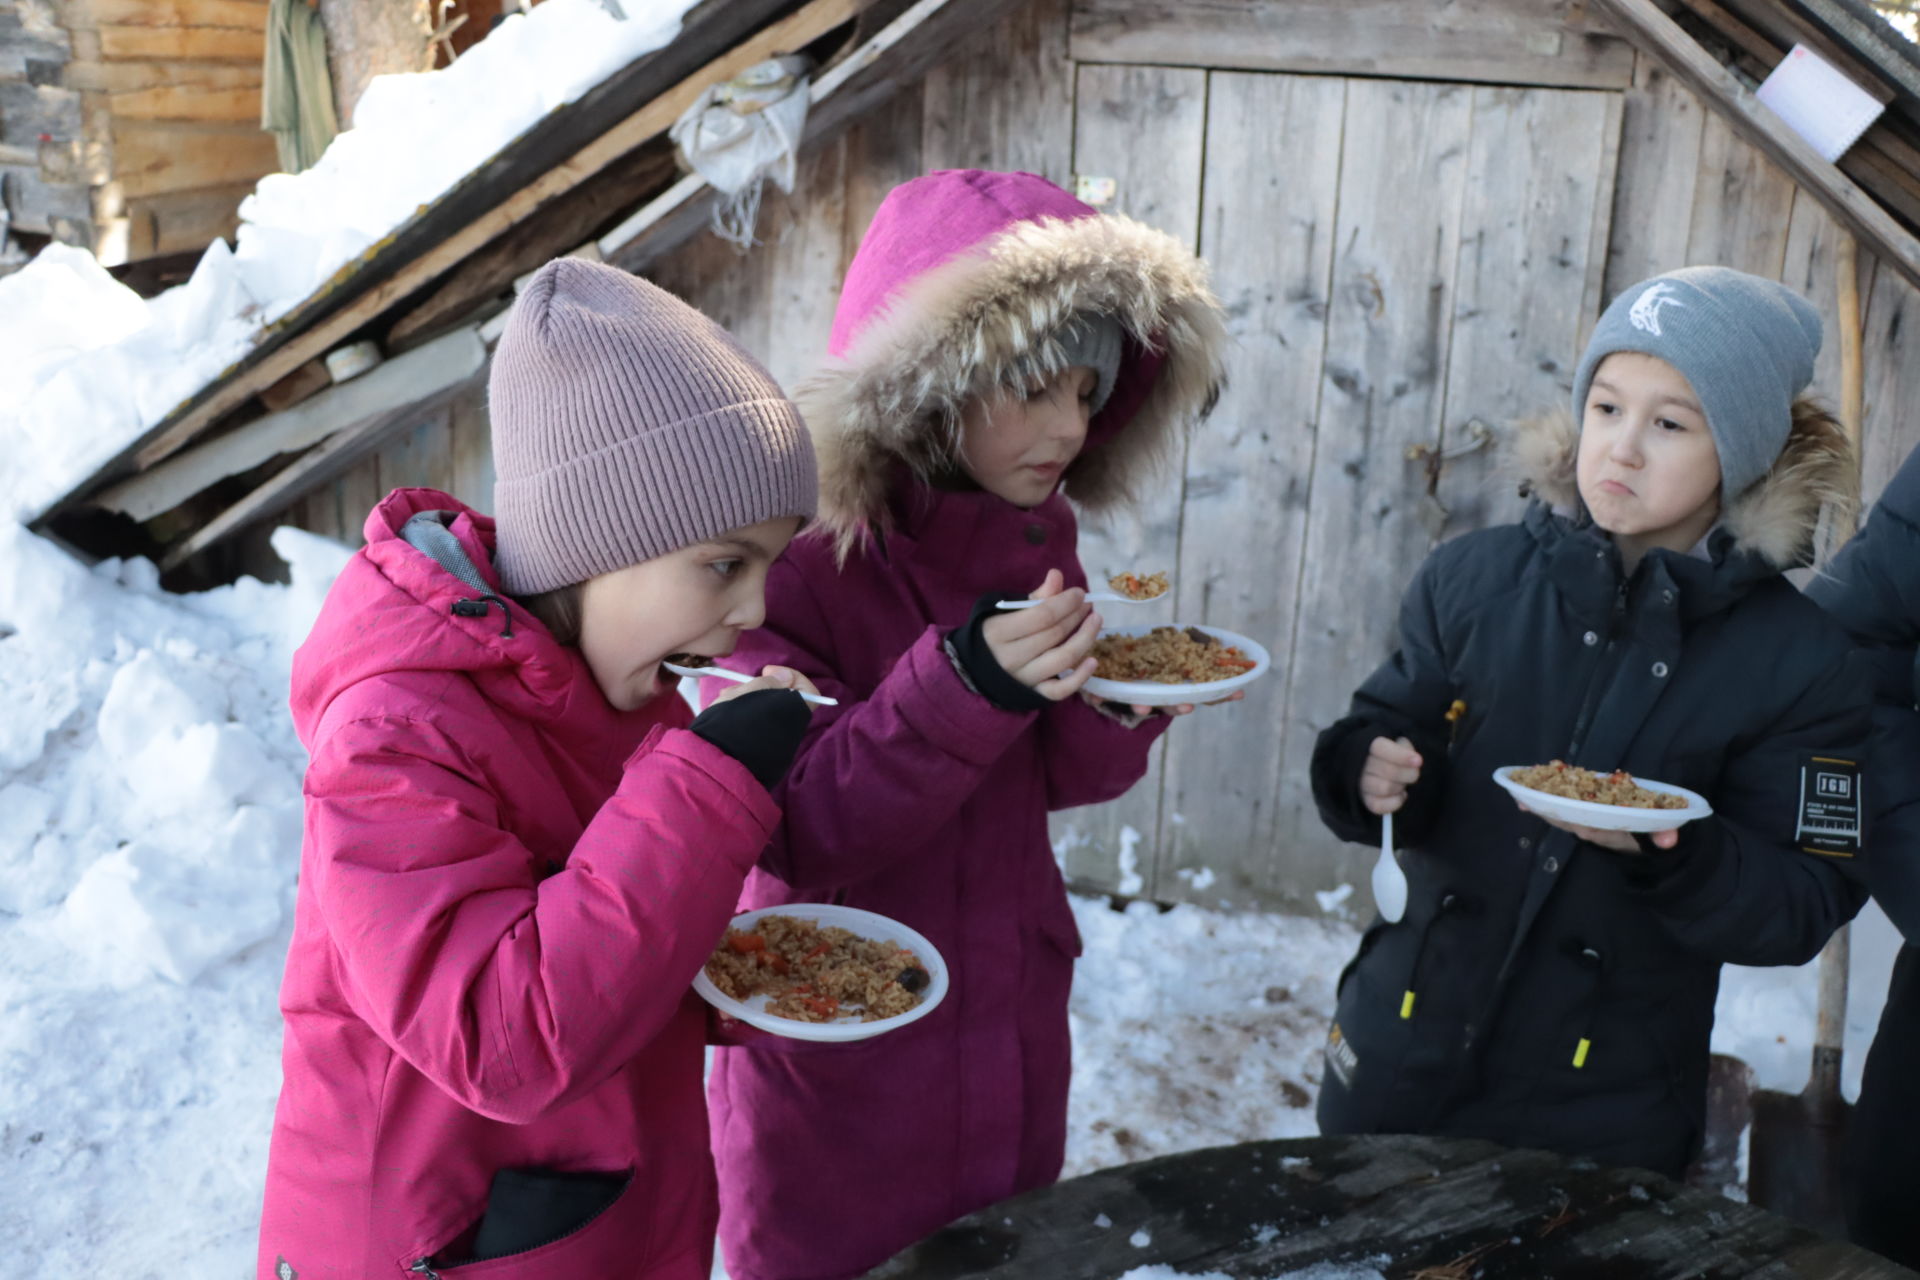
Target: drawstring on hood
[(428, 532)]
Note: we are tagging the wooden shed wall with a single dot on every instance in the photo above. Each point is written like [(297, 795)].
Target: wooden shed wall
[(1402, 259)]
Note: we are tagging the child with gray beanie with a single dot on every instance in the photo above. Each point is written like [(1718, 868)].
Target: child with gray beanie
[(521, 845), (1552, 982)]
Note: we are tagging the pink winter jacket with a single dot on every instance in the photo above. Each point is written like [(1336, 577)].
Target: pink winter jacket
[(916, 797), (505, 890)]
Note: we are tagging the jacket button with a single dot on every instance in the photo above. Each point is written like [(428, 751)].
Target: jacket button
[(1660, 671), (1666, 597), (1550, 866), (1036, 534), (1526, 842), (1590, 638)]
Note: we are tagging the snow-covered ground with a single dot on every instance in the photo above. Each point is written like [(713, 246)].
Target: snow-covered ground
[(91, 364), (149, 835)]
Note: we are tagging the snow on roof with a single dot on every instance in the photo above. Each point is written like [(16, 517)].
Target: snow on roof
[(89, 365)]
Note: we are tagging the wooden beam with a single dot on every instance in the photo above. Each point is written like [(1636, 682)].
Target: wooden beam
[(339, 451), (237, 15), (150, 157), (214, 44), (174, 102), (130, 77), (437, 238), (1644, 23), (392, 386), (899, 54), (1527, 42)]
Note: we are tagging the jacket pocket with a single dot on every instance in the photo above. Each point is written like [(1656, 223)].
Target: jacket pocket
[(540, 1218)]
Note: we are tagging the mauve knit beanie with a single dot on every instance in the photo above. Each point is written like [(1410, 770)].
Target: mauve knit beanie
[(627, 425)]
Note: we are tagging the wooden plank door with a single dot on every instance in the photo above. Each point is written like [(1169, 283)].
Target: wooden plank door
[(1404, 264)]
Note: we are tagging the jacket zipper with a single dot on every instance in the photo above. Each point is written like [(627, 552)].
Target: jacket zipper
[(1591, 703), (423, 1267)]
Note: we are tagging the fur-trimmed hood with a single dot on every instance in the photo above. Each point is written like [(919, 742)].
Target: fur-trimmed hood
[(963, 284), (1778, 520)]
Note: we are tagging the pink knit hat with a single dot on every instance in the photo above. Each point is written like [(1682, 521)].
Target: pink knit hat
[(627, 425)]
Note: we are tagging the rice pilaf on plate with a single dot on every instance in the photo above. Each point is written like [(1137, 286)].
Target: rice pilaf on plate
[(816, 973), (1169, 655), (1571, 782)]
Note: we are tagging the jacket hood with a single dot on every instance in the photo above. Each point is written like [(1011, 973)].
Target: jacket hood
[(1777, 521), (965, 283), (391, 610)]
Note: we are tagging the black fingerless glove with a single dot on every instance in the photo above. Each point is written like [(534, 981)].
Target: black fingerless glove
[(982, 670), (762, 730)]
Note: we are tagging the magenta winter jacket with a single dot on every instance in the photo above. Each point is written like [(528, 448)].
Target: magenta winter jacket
[(917, 798), (505, 889)]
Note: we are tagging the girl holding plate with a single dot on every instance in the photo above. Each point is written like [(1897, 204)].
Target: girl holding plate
[(1552, 984), (998, 345)]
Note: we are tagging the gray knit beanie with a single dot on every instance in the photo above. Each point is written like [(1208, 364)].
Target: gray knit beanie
[(1745, 344), (1094, 341), (627, 425)]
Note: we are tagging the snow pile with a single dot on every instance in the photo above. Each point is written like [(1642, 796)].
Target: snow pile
[(91, 364), (1193, 1028), (149, 839)]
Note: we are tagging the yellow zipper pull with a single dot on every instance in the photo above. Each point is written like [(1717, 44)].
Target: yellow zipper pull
[(1580, 1053), (1406, 1006)]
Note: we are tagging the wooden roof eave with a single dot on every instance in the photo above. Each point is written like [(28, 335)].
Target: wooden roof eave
[(1659, 36)]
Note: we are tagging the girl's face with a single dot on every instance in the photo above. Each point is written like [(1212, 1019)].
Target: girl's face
[(1647, 467), (1016, 445), (694, 600)]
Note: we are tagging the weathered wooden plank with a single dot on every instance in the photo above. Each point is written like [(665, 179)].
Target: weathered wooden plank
[(1529, 221), (212, 44), (1389, 332), (472, 470), (1741, 204), (152, 157), (1659, 170), (421, 455), (1004, 99), (1409, 1206), (418, 376), (241, 15), (883, 151), (134, 77), (175, 102), (1812, 266), (1891, 429), (1877, 231), (359, 489), (1497, 41), (806, 241), (1144, 127), (1272, 183)]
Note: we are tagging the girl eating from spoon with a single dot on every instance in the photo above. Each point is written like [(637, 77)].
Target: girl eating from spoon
[(998, 344), (1553, 985)]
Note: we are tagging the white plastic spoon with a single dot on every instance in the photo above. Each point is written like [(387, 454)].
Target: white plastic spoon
[(1093, 597), (1389, 881), (740, 677)]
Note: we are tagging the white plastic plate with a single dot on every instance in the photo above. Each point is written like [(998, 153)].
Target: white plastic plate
[(1606, 817), (864, 923), (1150, 693)]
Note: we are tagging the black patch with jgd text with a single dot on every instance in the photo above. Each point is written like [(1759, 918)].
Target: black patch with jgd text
[(1831, 805)]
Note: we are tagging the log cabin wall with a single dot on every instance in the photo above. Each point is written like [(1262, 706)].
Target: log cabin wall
[(132, 127), (1412, 224)]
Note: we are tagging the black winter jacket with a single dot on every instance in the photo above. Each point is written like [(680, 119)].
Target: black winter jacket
[(1872, 588), (1545, 992)]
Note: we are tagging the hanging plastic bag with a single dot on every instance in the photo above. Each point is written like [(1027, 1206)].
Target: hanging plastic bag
[(743, 131)]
